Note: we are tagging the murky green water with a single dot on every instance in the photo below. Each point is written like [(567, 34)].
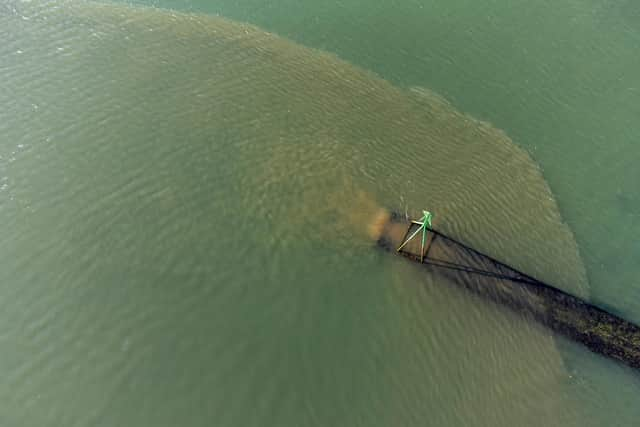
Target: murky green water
[(183, 201)]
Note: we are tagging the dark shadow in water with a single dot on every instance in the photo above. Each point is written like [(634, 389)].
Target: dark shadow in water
[(600, 331)]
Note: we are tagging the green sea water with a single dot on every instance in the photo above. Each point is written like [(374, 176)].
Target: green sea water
[(162, 268)]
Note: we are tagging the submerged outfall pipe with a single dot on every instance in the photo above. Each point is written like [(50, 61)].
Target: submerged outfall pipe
[(595, 328)]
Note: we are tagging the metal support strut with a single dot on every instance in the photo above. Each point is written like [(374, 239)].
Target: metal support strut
[(424, 226)]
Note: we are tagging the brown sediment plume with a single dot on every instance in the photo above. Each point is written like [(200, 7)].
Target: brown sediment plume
[(341, 139), (378, 224), (310, 123)]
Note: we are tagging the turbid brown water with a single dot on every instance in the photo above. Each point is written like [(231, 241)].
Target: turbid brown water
[(213, 164)]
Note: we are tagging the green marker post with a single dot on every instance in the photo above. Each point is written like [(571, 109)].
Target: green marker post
[(425, 225)]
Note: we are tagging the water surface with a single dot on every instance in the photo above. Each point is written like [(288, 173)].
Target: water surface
[(176, 255)]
